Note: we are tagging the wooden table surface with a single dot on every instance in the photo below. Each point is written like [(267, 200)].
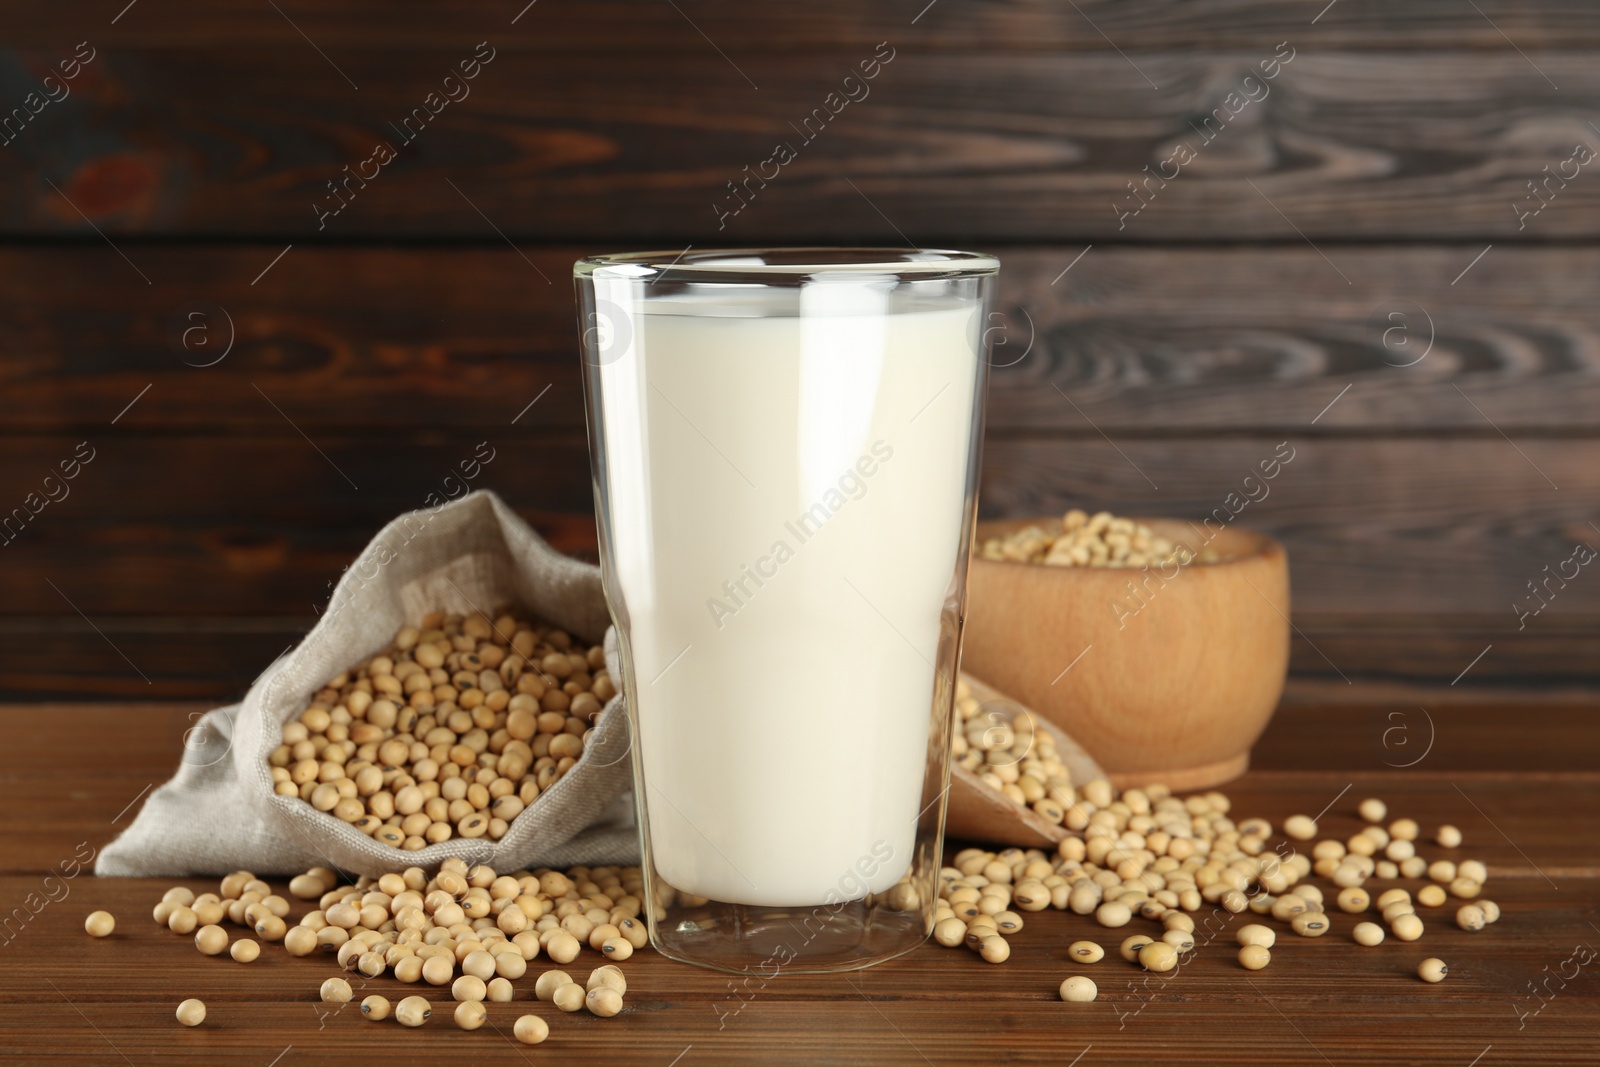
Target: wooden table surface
[(1521, 780)]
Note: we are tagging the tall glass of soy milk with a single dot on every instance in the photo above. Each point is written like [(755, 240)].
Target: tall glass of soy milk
[(785, 452)]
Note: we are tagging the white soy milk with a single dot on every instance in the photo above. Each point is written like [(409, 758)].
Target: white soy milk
[(787, 502)]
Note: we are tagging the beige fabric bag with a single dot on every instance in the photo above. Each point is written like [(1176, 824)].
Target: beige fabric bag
[(219, 813)]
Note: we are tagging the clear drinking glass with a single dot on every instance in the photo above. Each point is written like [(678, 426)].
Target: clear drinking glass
[(785, 452)]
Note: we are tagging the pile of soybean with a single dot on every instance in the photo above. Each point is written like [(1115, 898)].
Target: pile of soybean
[(470, 929), (452, 731), (1147, 854)]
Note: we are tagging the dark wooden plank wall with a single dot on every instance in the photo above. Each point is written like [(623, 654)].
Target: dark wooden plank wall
[(1362, 235)]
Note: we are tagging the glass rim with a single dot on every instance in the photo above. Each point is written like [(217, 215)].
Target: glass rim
[(793, 262)]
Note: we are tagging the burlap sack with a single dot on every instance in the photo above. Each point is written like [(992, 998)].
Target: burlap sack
[(219, 813)]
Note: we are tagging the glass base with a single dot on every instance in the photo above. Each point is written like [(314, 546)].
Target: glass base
[(764, 942)]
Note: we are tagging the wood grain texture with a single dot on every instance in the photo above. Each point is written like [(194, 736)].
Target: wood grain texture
[(1143, 341), (633, 26), (401, 341), (1551, 653), (940, 148), (141, 658), (1149, 341), (252, 526), (86, 1001)]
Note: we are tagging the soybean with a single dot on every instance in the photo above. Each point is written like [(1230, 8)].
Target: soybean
[(479, 964), (607, 975), (1086, 952), (300, 941), (1132, 946), (1353, 899), (1158, 956), (192, 1012), (470, 1014), (211, 940), (1182, 940), (99, 924), (1113, 914), (1311, 924), (531, 1030), (563, 947), (1287, 907), (569, 997), (308, 886), (1256, 934), (1432, 970), (1368, 934), (437, 970), (603, 1001), (1254, 957), (995, 949), (375, 1007), (1407, 927), (545, 986), (1300, 827), (413, 1011), (1078, 990), (1397, 909)]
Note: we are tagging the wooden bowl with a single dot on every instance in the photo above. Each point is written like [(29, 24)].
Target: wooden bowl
[(1166, 677)]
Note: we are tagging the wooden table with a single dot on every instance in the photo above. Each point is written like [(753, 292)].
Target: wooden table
[(1521, 780)]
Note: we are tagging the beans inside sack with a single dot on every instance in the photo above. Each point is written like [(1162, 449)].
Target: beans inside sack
[(450, 732)]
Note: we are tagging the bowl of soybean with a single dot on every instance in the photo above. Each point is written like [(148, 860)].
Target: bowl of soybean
[(1163, 672)]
